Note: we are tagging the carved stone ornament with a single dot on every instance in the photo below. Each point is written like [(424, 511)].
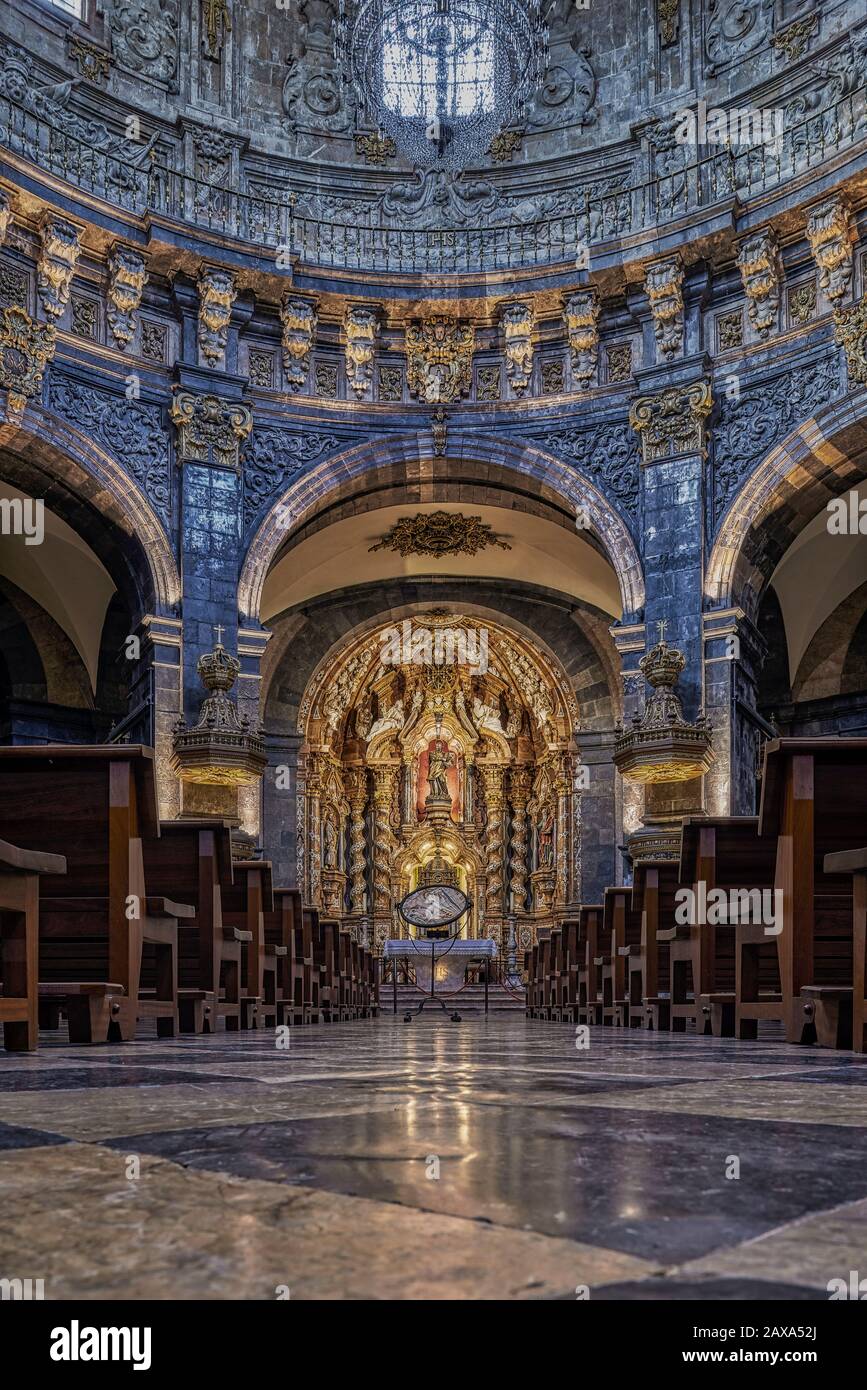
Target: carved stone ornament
[(516, 321), (668, 21), (210, 430), (793, 42), (673, 422), (506, 145), (93, 63), (829, 230), (759, 264), (144, 37), (217, 290), (216, 26), (127, 278), (5, 215), (361, 326), (375, 148), (438, 534), (25, 348), (850, 326), (663, 283), (58, 257), (439, 432), (439, 354), (298, 317), (581, 317)]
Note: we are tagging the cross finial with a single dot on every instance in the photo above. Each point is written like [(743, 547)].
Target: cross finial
[(662, 625), (219, 629)]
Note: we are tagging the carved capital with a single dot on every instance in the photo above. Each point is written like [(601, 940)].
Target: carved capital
[(58, 257), (25, 348), (581, 317), (850, 326), (298, 317), (673, 422), (759, 264), (517, 321), (663, 283), (210, 430), (217, 290), (127, 278), (361, 329), (830, 233)]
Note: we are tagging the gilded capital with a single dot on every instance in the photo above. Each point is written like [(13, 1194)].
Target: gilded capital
[(673, 422), (210, 430)]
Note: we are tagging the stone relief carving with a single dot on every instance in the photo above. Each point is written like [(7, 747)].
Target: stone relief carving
[(829, 231), (273, 458), (439, 353), (25, 349), (793, 42), (663, 283), (568, 94), (316, 101), (60, 244), (759, 263), (608, 454), (217, 292), (144, 37), (210, 430), (842, 75), (516, 321), (764, 415), (581, 317), (733, 29), (673, 422), (127, 278), (298, 317), (130, 430), (850, 326), (361, 328), (668, 21)]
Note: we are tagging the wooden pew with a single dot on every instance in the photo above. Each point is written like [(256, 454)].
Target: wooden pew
[(814, 802), (531, 966), (283, 927), (245, 903), (590, 932), (94, 806), (621, 938), (571, 960), (555, 973), (733, 967), (854, 862), (195, 858), (654, 885), (314, 967), (19, 942)]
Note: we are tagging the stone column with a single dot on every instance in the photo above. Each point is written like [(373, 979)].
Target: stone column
[(493, 780), (733, 653)]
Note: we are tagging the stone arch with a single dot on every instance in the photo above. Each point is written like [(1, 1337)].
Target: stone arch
[(824, 457), (47, 457), (524, 465), (834, 663)]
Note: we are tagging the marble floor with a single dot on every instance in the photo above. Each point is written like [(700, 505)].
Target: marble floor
[(380, 1160)]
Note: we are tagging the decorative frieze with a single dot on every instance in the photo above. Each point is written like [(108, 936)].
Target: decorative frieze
[(517, 320), (439, 354), (298, 317), (25, 349), (581, 316), (58, 256), (830, 233), (217, 290), (361, 329), (210, 430), (663, 283), (673, 422), (759, 263), (127, 277), (850, 326)]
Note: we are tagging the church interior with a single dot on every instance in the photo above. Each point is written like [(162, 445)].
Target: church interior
[(433, 650)]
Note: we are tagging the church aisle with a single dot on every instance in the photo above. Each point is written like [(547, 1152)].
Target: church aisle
[(480, 1160)]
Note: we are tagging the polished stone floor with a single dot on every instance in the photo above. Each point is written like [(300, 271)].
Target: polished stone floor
[(381, 1160)]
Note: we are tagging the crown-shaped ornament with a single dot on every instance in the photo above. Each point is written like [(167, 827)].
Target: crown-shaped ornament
[(660, 745)]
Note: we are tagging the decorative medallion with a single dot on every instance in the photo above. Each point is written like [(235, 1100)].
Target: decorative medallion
[(25, 349), (94, 63), (438, 534), (210, 430), (802, 302), (440, 359)]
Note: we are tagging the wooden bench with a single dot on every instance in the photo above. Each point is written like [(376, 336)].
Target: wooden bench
[(731, 967), (245, 903), (814, 802), (854, 862), (19, 942), (195, 858), (107, 948), (283, 927), (590, 961), (654, 885), (621, 928)]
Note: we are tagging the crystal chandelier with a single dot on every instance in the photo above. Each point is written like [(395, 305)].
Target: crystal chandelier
[(442, 77)]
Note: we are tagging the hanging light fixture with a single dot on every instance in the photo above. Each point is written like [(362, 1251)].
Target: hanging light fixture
[(442, 77)]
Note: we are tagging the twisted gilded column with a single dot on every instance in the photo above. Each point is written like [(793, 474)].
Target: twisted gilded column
[(519, 792), (355, 784), (493, 779), (313, 792), (384, 783), (564, 837)]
